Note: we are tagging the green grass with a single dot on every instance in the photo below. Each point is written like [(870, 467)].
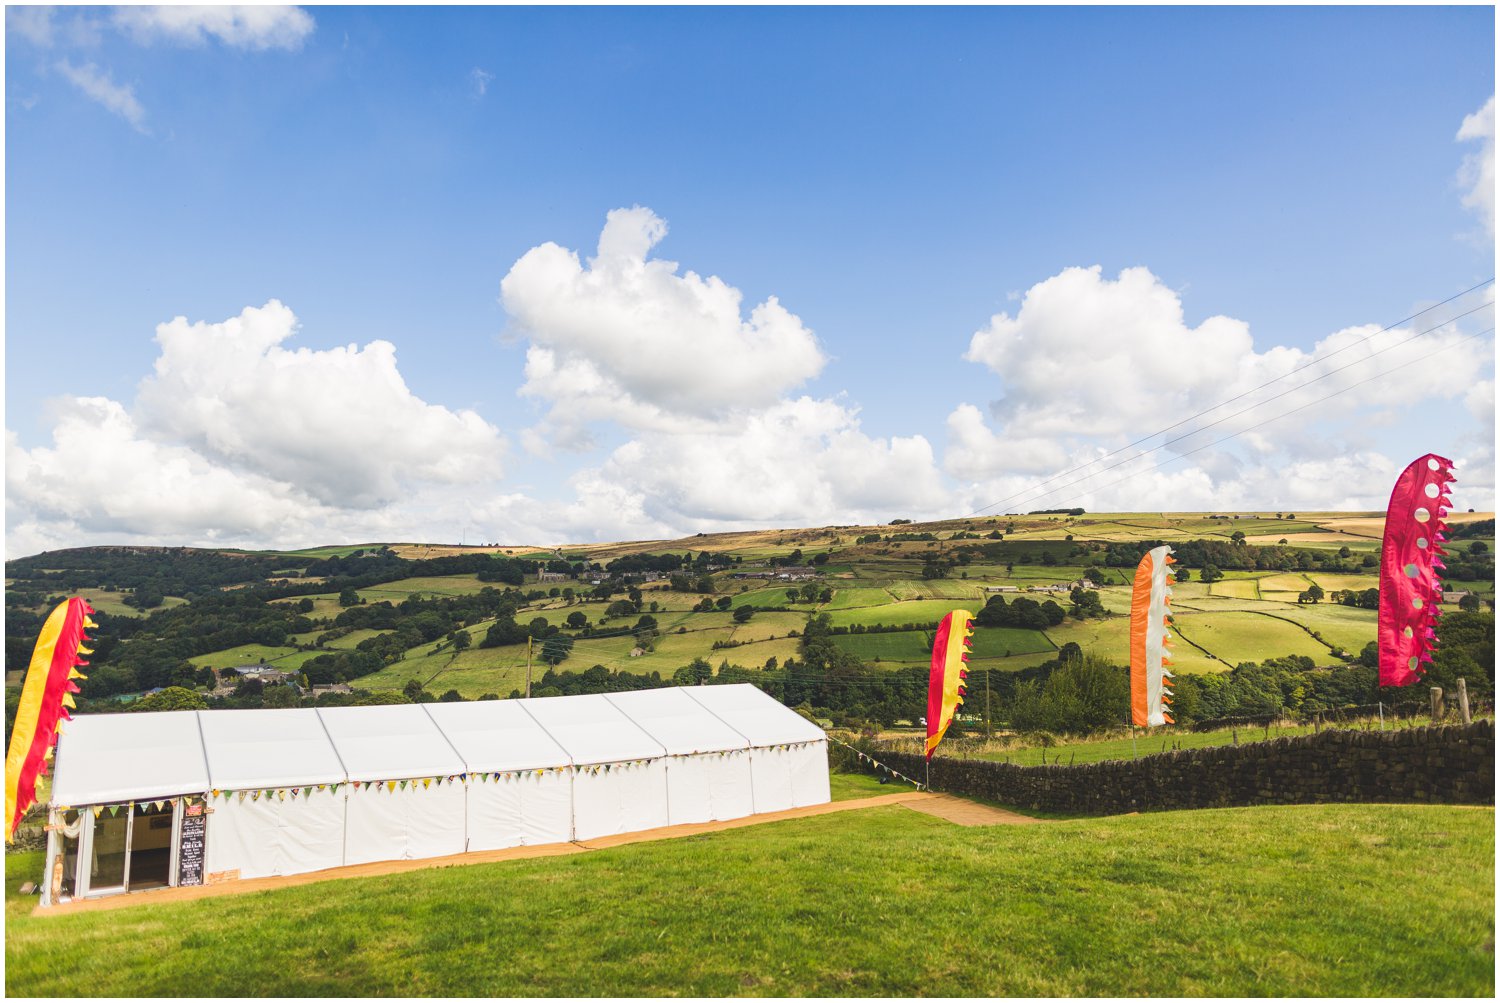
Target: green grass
[(283, 658), (994, 642), (442, 585), (908, 646), (849, 786), (915, 611), (884, 901)]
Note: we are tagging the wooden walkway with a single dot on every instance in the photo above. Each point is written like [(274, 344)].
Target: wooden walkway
[(477, 857), (962, 811)]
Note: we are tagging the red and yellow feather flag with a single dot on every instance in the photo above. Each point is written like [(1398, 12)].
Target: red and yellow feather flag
[(950, 650), (46, 696), (1150, 643)]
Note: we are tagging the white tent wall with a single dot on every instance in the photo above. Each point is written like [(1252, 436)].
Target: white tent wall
[(520, 780), (809, 767), (709, 787), (624, 797), (520, 809), (708, 769), (405, 823), (267, 837), (477, 777)]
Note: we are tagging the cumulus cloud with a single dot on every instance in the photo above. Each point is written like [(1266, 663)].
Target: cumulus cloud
[(702, 389), (98, 86), (1477, 173), (646, 337), (236, 438), (479, 81), (237, 26), (1088, 365), (341, 423)]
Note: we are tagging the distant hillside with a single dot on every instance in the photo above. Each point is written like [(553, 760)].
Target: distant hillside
[(838, 616)]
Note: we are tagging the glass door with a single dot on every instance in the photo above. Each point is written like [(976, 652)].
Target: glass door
[(108, 867)]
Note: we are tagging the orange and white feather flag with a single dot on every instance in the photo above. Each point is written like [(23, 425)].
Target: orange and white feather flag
[(1151, 640)]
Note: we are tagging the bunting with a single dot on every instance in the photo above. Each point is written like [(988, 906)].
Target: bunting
[(46, 697)]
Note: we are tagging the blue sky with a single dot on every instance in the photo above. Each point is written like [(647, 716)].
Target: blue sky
[(894, 178)]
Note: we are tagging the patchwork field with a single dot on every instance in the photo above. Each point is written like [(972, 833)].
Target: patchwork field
[(1081, 907)]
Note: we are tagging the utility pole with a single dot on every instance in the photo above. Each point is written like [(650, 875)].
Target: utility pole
[(989, 727), (528, 668)]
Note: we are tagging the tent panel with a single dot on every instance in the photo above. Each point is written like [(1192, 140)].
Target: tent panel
[(547, 810), (497, 735), (731, 790), (392, 742), (689, 787), (526, 810), (249, 749), (771, 780), (681, 724), (592, 730), (761, 718), (104, 758), (809, 765), (404, 824), (268, 837), (629, 799)]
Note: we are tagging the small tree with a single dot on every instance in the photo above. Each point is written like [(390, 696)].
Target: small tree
[(743, 614)]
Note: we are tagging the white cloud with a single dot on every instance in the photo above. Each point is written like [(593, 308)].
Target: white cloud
[(646, 337), (1088, 365), (238, 440), (479, 81), (700, 388), (98, 86), (101, 475), (340, 423), (1477, 173), (32, 23), (237, 26)]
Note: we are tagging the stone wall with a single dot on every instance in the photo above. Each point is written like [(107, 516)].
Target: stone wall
[(1447, 765)]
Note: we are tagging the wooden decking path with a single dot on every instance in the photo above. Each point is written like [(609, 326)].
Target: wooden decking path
[(962, 811), (477, 857)]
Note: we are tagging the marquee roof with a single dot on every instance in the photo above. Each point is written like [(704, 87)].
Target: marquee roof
[(104, 758)]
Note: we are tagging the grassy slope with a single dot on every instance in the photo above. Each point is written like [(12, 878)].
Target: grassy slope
[(880, 902)]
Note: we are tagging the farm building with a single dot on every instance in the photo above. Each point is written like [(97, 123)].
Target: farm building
[(146, 800)]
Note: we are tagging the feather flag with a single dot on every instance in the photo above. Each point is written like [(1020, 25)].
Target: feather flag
[(950, 651), (1411, 555), (46, 696), (1150, 643)]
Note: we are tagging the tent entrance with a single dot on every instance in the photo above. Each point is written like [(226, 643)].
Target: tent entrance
[(150, 846), (125, 851)]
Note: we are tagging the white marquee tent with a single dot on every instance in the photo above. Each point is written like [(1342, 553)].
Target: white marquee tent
[(269, 792)]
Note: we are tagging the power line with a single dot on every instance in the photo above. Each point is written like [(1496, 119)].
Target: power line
[(1247, 410), (1231, 400), (1302, 407)]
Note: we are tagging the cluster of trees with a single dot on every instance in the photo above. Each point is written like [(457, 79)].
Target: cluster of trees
[(175, 571), (1021, 612)]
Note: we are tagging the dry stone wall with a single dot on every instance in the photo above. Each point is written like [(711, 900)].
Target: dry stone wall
[(1445, 765)]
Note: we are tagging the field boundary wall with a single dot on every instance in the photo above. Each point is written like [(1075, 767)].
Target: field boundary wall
[(1444, 765)]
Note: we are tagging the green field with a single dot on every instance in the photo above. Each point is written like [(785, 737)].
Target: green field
[(897, 613), (995, 642), (1235, 589), (907, 646), (878, 902), (446, 585), (284, 658)]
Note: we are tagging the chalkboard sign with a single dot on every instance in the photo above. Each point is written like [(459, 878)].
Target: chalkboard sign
[(190, 845)]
